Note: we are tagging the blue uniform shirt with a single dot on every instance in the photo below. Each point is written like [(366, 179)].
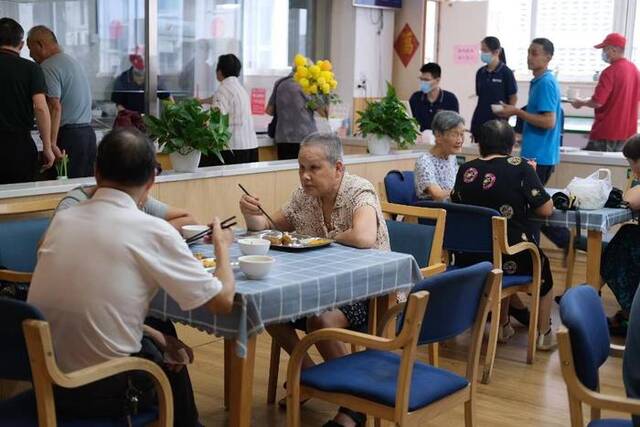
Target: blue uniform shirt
[(492, 87), (423, 110), (543, 145)]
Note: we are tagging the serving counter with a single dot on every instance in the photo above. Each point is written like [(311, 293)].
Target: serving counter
[(214, 189)]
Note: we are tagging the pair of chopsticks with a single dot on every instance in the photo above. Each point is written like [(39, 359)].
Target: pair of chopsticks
[(224, 224), (259, 207)]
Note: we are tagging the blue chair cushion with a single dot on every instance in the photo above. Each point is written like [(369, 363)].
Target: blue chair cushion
[(515, 280), (373, 375), (18, 242), (610, 422), (20, 411)]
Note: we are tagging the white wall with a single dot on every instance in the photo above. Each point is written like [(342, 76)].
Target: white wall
[(461, 23), (405, 79)]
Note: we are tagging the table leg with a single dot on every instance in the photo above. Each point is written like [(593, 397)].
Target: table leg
[(594, 252), (384, 303), (239, 373), (228, 351)]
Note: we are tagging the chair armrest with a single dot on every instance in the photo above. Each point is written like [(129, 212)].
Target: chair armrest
[(45, 369), (611, 402), (616, 350), (15, 276), (521, 247), (434, 269), (392, 313)]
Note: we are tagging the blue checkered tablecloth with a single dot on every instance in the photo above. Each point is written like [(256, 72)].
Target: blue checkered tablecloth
[(300, 284), (597, 219)]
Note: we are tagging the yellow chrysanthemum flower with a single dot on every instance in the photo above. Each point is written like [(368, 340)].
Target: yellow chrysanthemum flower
[(300, 60), (302, 71), (326, 66), (326, 88), (333, 84), (314, 70), (313, 89), (304, 83)]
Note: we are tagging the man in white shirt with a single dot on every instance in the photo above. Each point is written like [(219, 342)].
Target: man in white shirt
[(95, 290), (232, 98)]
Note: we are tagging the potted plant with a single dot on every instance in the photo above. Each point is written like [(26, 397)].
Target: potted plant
[(385, 121), (62, 166), (185, 131)]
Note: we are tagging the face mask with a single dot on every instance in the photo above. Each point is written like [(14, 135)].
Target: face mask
[(486, 57), (605, 57), (425, 87)]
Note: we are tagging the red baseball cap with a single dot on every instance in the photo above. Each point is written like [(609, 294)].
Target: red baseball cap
[(137, 61), (613, 39)]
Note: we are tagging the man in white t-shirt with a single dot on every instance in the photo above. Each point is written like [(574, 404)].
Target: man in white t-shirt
[(99, 267)]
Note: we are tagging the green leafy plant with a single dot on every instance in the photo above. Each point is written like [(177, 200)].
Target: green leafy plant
[(62, 165), (389, 117), (185, 126)]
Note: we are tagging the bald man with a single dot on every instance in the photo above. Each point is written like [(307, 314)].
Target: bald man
[(69, 100)]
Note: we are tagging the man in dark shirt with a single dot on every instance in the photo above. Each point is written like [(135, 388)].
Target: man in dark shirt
[(22, 91), (430, 99), (128, 89)]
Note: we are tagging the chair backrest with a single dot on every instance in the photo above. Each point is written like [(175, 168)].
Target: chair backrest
[(400, 187), (412, 239), (583, 315), (468, 228), (18, 242), (14, 359), (423, 241), (454, 301)]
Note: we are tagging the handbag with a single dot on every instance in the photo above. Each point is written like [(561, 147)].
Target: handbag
[(593, 191)]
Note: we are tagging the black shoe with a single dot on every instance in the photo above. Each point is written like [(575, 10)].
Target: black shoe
[(520, 314)]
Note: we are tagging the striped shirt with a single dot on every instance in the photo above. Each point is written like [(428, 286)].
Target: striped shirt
[(231, 98)]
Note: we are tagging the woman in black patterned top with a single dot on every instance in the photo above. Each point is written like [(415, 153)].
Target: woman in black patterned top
[(511, 186)]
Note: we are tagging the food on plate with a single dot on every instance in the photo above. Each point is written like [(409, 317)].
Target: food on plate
[(208, 262), (315, 241), (287, 239), (198, 255)]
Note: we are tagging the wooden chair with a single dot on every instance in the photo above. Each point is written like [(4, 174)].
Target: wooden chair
[(482, 230), (364, 381), (20, 232), (37, 406), (426, 250), (422, 241), (584, 346)]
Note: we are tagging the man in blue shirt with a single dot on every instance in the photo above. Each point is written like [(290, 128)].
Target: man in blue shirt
[(542, 118), (430, 99)]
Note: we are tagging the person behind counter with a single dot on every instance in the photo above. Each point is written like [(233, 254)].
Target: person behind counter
[(495, 84), (231, 98), (128, 88), (69, 100), (22, 90), (615, 100), (435, 171), (430, 99)]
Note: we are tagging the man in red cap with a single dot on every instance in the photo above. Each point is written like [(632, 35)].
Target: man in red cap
[(615, 99)]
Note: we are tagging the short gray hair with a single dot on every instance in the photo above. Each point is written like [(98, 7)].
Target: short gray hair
[(329, 141), (446, 120)]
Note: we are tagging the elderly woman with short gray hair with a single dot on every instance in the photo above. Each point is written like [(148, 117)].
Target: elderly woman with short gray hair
[(435, 171), (329, 203)]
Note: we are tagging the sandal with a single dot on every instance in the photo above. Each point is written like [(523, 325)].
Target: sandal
[(282, 403), (358, 417)]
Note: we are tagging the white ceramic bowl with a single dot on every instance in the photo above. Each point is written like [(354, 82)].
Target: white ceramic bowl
[(496, 108), (256, 266), (254, 246), (191, 230)]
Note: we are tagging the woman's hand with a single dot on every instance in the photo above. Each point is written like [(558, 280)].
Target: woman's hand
[(219, 237)]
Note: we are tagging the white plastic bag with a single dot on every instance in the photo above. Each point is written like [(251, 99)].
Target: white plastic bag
[(593, 191)]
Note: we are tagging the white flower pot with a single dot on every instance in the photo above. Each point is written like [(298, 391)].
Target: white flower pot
[(379, 144), (185, 162)]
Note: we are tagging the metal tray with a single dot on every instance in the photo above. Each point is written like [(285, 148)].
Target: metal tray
[(301, 242)]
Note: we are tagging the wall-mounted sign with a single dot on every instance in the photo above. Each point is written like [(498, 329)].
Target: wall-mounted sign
[(406, 44), (258, 100), (465, 54)]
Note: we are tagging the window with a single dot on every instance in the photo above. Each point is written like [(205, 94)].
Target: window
[(431, 32), (573, 26)]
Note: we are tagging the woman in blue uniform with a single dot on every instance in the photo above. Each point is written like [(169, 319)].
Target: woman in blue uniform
[(495, 83)]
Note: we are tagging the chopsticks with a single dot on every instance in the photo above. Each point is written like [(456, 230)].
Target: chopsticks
[(224, 224), (259, 207)]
